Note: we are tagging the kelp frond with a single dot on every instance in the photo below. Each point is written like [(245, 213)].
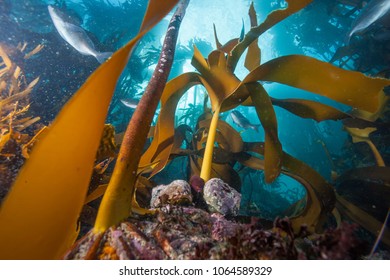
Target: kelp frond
[(118, 199), (52, 185)]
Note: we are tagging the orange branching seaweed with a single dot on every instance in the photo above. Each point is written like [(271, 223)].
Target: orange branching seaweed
[(14, 104), (14, 90)]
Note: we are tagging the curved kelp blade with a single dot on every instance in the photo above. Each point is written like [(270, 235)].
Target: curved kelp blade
[(38, 218), (226, 48), (317, 188), (309, 109), (367, 187), (253, 57), (273, 148), (320, 196), (157, 154), (220, 83), (361, 217), (348, 87), (272, 19)]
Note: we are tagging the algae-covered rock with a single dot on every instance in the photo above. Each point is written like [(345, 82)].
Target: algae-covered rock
[(177, 192), (221, 198)]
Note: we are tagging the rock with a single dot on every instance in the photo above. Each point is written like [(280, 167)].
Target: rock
[(221, 198), (176, 193)]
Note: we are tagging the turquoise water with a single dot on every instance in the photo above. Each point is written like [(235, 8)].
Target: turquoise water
[(317, 31)]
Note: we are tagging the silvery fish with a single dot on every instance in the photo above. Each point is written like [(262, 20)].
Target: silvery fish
[(374, 11), (129, 102), (75, 35), (243, 122)]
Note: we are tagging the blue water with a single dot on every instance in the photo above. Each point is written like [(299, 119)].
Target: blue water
[(316, 31)]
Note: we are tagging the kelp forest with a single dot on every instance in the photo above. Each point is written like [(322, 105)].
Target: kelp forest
[(179, 151)]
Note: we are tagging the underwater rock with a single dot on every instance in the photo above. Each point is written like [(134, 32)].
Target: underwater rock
[(189, 233), (221, 198), (177, 192), (223, 229)]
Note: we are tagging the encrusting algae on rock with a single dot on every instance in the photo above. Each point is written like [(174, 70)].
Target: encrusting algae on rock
[(186, 232)]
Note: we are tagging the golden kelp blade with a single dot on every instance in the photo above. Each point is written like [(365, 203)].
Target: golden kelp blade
[(271, 20), (361, 217), (165, 128), (253, 57), (38, 218), (273, 147), (310, 109), (348, 87), (320, 196)]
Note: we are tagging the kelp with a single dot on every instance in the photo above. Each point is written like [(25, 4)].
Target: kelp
[(365, 188), (363, 135), (231, 149), (52, 185), (118, 199), (361, 217), (320, 197), (226, 91)]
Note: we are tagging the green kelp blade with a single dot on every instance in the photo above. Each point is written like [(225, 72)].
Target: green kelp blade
[(38, 218), (348, 87), (272, 19), (266, 113)]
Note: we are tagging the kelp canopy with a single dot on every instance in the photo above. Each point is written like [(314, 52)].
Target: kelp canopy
[(52, 185)]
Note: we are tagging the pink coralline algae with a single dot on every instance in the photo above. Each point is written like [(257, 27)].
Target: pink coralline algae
[(221, 198), (184, 231)]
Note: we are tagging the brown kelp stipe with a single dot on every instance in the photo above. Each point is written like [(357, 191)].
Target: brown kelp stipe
[(117, 201)]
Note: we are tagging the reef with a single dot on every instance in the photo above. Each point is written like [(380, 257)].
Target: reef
[(179, 230)]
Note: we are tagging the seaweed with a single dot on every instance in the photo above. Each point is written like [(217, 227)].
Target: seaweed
[(118, 200), (52, 184), (226, 91), (15, 119)]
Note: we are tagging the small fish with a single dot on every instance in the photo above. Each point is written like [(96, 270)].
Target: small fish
[(75, 35), (129, 102), (374, 11), (243, 122)]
